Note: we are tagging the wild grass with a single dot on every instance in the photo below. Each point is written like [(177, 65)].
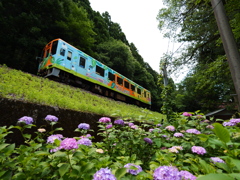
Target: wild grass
[(15, 84)]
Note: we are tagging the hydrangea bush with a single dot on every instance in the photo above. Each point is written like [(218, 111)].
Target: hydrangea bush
[(189, 148)]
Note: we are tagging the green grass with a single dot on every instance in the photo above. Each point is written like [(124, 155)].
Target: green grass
[(15, 84)]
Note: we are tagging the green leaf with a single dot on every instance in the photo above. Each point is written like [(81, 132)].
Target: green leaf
[(221, 132), (215, 176), (206, 167), (9, 149), (7, 175), (120, 172), (2, 146), (41, 153), (63, 169)]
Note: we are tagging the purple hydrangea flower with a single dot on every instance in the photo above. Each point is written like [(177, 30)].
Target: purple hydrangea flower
[(130, 124), (26, 120), (228, 124), (150, 130), (187, 175), (52, 138), (148, 140), (232, 122), (51, 118), (84, 126), (158, 125), (85, 141), (109, 126), (178, 135), (193, 131), (186, 114), (217, 160), (170, 128), (69, 143), (134, 127), (198, 150), (55, 149), (104, 174), (166, 173), (119, 122), (133, 168), (105, 120), (210, 127)]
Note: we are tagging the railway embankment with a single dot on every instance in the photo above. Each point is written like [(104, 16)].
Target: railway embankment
[(23, 94)]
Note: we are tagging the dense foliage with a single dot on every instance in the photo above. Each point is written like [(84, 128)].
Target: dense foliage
[(26, 27), (208, 84), (189, 148)]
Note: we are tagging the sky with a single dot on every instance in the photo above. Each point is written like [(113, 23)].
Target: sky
[(137, 19)]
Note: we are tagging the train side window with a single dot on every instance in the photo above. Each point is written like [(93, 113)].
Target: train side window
[(69, 56), (132, 87), (145, 94), (111, 76), (82, 62), (138, 90), (100, 71), (62, 52), (120, 81), (126, 84), (54, 47)]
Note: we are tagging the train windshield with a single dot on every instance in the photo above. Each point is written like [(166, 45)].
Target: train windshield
[(54, 47)]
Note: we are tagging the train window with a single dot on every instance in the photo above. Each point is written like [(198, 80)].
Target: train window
[(111, 76), (145, 94), (126, 84), (119, 81), (69, 56), (54, 47), (132, 87), (139, 91), (82, 62), (100, 71), (62, 52)]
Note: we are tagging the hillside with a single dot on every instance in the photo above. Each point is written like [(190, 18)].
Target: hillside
[(25, 87)]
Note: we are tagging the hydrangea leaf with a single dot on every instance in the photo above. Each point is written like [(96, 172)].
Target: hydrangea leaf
[(221, 132)]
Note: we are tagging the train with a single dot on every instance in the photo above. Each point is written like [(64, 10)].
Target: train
[(65, 63)]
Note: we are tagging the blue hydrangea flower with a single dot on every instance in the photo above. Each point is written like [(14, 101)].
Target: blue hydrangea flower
[(69, 143), (104, 174), (133, 168), (187, 175), (119, 122), (148, 140), (84, 126), (217, 160), (26, 120), (51, 118), (166, 173), (85, 141)]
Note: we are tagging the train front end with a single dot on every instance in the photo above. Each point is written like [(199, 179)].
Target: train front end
[(47, 59)]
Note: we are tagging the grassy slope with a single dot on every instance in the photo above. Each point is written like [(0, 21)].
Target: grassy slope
[(15, 84)]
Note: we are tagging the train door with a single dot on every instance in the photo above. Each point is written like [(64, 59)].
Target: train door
[(69, 60)]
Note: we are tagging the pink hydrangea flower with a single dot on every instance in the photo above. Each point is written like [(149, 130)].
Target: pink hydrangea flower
[(187, 114), (170, 128)]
